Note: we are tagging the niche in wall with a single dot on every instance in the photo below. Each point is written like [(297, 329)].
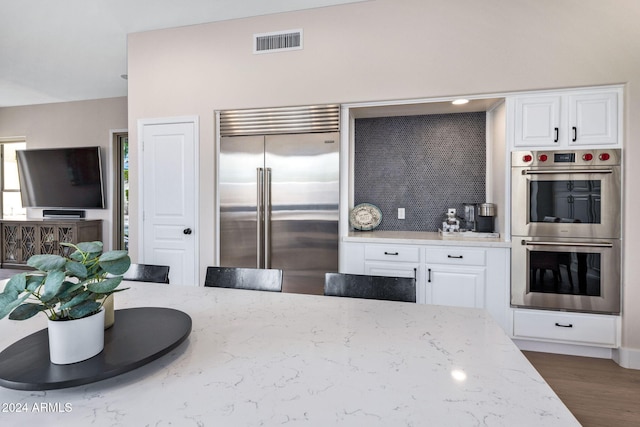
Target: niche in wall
[(425, 164)]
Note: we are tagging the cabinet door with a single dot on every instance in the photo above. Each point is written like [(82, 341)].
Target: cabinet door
[(28, 241), (593, 119), (537, 121), (10, 243), (456, 286)]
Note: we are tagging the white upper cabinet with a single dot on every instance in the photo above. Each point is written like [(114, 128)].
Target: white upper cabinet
[(537, 121), (593, 118), (586, 118)]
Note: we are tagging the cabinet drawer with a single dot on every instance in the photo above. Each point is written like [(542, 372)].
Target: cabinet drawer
[(456, 256), (566, 327), (392, 253)]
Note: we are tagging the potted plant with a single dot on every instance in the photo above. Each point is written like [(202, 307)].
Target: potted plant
[(70, 291)]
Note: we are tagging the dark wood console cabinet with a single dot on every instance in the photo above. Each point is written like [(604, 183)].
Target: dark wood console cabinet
[(23, 238)]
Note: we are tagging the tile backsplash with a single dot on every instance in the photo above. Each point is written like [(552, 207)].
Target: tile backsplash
[(425, 164)]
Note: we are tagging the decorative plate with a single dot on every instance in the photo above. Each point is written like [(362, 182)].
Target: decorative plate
[(365, 216)]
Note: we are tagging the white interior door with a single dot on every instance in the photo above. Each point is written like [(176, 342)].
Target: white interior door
[(169, 204)]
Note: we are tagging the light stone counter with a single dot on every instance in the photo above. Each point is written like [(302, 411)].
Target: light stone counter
[(259, 358), (424, 238)]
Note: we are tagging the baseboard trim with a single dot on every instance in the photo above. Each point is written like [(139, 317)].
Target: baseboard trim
[(627, 357), (568, 349)]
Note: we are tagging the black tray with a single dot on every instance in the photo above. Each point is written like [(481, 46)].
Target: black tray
[(138, 336)]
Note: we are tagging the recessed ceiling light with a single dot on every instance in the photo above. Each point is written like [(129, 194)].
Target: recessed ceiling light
[(460, 101)]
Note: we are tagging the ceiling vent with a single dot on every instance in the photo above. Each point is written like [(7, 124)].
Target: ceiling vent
[(278, 41)]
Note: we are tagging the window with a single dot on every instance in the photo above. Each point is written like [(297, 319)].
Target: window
[(11, 201)]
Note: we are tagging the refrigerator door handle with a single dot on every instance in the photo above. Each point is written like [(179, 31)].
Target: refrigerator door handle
[(259, 211), (267, 219)]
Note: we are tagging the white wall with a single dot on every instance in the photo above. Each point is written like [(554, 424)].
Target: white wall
[(393, 49), (72, 124)]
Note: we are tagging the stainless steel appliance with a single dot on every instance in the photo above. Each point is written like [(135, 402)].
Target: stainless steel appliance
[(279, 192), (566, 217), (485, 215), (568, 193), (479, 217)]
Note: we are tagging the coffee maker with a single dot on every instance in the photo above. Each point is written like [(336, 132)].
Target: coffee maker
[(479, 217)]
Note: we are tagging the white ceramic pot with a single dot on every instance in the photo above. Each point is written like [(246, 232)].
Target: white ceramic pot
[(72, 341)]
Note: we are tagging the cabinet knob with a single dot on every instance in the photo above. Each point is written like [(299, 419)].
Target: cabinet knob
[(187, 231)]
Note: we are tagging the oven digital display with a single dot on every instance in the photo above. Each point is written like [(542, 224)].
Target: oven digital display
[(564, 157)]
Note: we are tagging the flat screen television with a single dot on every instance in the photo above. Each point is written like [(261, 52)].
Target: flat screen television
[(61, 178)]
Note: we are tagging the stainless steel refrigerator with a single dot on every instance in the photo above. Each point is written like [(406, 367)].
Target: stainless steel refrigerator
[(279, 197)]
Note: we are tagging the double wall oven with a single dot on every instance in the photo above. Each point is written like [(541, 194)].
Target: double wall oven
[(566, 224)]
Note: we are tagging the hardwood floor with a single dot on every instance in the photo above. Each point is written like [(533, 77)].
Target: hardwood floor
[(597, 391)]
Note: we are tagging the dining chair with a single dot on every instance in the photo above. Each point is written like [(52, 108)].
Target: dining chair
[(147, 273), (371, 287), (257, 279)]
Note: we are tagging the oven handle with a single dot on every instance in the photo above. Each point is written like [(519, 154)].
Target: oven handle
[(564, 171), (581, 244)]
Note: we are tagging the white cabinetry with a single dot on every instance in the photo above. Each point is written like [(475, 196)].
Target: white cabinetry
[(445, 275), (567, 119), (563, 327), (456, 276)]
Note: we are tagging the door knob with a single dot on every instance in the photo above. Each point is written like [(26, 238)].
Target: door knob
[(187, 231)]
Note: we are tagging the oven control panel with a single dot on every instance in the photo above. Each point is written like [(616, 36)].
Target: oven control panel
[(566, 158)]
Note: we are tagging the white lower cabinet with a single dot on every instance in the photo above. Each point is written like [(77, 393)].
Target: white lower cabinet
[(456, 286), (563, 327), (456, 276), (445, 275)]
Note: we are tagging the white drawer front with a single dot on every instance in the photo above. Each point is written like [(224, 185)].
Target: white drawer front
[(566, 327), (456, 256), (392, 253)]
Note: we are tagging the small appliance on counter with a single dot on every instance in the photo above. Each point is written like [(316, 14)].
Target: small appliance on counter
[(485, 217), (451, 223), (479, 217)]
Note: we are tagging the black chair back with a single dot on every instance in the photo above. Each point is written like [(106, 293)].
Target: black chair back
[(147, 273), (257, 279), (371, 287)]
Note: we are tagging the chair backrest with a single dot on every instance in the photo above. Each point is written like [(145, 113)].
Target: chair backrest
[(371, 287), (147, 273), (257, 279)]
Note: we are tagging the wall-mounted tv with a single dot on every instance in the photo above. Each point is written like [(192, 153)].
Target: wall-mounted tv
[(61, 178)]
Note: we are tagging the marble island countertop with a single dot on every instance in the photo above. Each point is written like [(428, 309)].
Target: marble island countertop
[(425, 238), (262, 358)]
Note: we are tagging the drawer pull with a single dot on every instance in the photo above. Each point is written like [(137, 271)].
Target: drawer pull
[(560, 325), (429, 278), (455, 256), (391, 253)]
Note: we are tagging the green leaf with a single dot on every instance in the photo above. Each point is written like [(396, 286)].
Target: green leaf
[(76, 269), (69, 289), (84, 309), (7, 304), (115, 262), (77, 256), (75, 301), (17, 284), (47, 262), (105, 286), (34, 281), (89, 247), (52, 285), (26, 311), (113, 255)]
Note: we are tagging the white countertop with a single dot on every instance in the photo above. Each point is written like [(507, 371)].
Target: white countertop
[(425, 238), (261, 358)]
